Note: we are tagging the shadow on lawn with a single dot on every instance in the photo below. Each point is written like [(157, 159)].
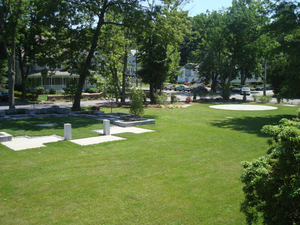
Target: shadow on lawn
[(252, 125), (30, 124)]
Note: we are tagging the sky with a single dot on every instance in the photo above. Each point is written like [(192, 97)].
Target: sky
[(200, 6)]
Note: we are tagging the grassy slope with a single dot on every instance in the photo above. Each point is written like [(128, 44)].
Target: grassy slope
[(186, 172)]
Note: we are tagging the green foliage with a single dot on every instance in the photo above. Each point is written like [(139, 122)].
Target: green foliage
[(91, 90), (225, 94), (272, 184), (53, 99), (52, 91), (284, 65), (212, 94), (70, 90), (255, 97), (136, 105), (40, 90), (161, 98), (174, 106), (174, 98), (160, 30), (265, 99)]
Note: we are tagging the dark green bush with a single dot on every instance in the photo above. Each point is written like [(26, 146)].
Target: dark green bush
[(173, 98), (40, 90), (52, 91)]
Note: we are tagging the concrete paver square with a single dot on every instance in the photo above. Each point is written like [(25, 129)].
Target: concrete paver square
[(22, 143), (96, 140), (119, 130)]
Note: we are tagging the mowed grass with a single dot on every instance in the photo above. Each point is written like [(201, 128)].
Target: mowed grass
[(186, 172)]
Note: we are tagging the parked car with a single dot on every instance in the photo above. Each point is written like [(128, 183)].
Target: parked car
[(168, 87), (259, 88), (239, 88), (4, 96), (182, 88), (245, 90), (199, 88)]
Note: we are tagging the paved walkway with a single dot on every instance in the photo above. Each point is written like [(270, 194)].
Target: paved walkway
[(26, 142)]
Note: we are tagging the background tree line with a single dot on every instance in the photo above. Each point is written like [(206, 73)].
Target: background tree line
[(95, 37)]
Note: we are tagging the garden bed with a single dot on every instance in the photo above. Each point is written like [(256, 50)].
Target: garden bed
[(133, 122)]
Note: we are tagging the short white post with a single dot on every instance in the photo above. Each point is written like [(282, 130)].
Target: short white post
[(67, 131), (106, 127)]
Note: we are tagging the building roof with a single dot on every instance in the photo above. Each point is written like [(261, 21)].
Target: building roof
[(57, 74)]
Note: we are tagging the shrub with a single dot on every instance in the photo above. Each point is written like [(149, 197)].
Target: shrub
[(52, 91), (53, 99), (91, 90), (202, 94), (188, 100), (40, 90), (161, 106), (272, 182), (255, 97), (18, 93), (212, 94), (161, 99), (136, 106), (265, 99), (233, 99), (174, 98), (225, 94), (70, 90), (174, 106), (278, 98)]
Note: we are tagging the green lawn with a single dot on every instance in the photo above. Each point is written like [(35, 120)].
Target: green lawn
[(186, 172)]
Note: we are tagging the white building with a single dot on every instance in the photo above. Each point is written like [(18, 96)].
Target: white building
[(60, 79), (188, 74), (133, 65)]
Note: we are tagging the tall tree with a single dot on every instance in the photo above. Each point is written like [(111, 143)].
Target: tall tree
[(83, 16), (160, 32), (210, 54), (285, 28), (11, 13)]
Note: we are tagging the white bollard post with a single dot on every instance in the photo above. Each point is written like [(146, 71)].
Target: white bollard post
[(67, 131), (106, 127)]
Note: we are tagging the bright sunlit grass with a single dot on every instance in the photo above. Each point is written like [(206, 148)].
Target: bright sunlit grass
[(186, 172)]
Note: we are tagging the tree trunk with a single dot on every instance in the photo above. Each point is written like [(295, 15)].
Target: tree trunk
[(214, 83), (85, 70), (243, 77), (76, 103), (152, 98), (11, 81), (124, 77)]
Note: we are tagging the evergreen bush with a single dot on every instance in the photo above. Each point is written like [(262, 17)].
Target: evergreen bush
[(136, 105)]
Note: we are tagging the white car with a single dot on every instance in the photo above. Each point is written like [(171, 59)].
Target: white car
[(182, 88), (245, 90)]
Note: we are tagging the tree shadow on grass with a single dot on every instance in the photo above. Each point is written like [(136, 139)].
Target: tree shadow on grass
[(30, 124), (252, 125)]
